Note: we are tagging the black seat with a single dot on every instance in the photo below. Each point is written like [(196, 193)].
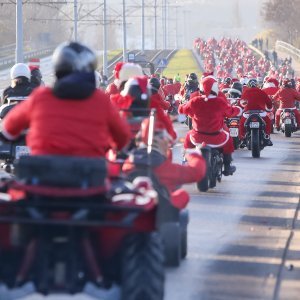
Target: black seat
[(62, 171)]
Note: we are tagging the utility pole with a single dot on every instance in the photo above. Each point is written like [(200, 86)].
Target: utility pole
[(19, 58), (75, 21), (155, 24), (176, 27), (104, 39), (124, 32), (143, 25), (164, 18)]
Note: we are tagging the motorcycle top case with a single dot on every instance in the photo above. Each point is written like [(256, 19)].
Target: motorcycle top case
[(62, 171)]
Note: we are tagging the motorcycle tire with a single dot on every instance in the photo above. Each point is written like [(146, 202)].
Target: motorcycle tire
[(288, 130), (213, 173), (190, 123), (255, 143), (203, 185), (143, 273), (171, 237), (236, 143)]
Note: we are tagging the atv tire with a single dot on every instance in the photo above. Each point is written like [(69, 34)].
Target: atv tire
[(143, 268)]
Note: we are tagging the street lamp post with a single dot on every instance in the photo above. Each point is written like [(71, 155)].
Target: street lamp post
[(19, 58), (104, 39), (124, 32), (155, 24), (75, 20), (143, 25)]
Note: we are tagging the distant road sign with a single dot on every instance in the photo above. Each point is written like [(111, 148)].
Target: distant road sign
[(162, 63), (131, 57)]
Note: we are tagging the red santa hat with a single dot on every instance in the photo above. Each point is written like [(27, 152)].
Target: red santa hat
[(117, 68), (274, 81), (209, 86), (205, 74), (141, 82), (128, 70)]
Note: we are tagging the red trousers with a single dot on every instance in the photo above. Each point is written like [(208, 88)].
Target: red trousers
[(242, 130), (277, 117), (227, 148)]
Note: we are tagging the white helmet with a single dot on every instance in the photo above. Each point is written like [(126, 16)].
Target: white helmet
[(20, 70)]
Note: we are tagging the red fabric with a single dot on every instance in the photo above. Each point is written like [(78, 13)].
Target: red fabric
[(173, 175), (287, 97), (208, 117), (68, 127), (171, 89), (227, 148), (165, 105), (163, 117), (111, 89), (277, 117), (256, 99), (270, 91), (242, 130)]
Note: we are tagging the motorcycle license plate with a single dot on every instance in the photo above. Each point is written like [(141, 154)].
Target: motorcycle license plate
[(254, 124), (22, 151), (287, 121), (234, 132)]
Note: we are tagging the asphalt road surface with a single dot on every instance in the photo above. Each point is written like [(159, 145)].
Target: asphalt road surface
[(244, 240)]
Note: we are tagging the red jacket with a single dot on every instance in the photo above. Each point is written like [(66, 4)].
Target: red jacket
[(111, 89), (172, 89), (287, 97), (208, 118), (256, 100), (270, 91), (173, 175), (163, 104), (67, 127)]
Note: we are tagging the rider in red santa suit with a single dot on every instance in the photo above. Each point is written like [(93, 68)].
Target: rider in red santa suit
[(73, 118), (255, 99), (270, 87), (169, 174), (112, 88), (208, 112), (287, 97)]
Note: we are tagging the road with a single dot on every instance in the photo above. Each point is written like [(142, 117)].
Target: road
[(239, 231)]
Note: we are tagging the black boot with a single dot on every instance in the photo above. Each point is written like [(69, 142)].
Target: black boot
[(228, 168), (268, 141)]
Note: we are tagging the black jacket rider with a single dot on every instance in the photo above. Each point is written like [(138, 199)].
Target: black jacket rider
[(21, 88)]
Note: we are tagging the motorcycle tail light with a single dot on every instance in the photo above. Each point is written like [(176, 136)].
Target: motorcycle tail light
[(234, 123), (287, 114), (254, 119)]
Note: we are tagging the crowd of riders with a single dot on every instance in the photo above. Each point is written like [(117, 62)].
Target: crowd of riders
[(76, 117)]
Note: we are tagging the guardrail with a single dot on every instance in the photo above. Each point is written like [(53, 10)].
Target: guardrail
[(260, 53), (288, 48), (38, 53)]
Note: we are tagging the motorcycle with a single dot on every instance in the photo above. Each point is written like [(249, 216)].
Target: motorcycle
[(214, 168), (255, 137), (288, 123)]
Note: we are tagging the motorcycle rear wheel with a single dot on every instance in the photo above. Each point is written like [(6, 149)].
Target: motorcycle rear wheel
[(288, 130), (255, 144)]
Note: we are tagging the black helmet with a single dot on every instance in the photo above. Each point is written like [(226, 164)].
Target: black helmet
[(154, 83), (252, 83), (73, 57), (236, 90), (192, 79), (228, 80), (293, 83)]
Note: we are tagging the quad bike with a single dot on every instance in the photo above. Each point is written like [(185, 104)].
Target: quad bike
[(75, 234)]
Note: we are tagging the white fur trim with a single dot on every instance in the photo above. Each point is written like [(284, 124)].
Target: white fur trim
[(292, 108), (128, 84), (234, 91), (211, 97), (213, 145), (268, 85), (8, 135), (269, 109), (262, 114), (241, 111)]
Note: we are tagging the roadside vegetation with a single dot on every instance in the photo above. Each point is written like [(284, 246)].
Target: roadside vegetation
[(183, 62)]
